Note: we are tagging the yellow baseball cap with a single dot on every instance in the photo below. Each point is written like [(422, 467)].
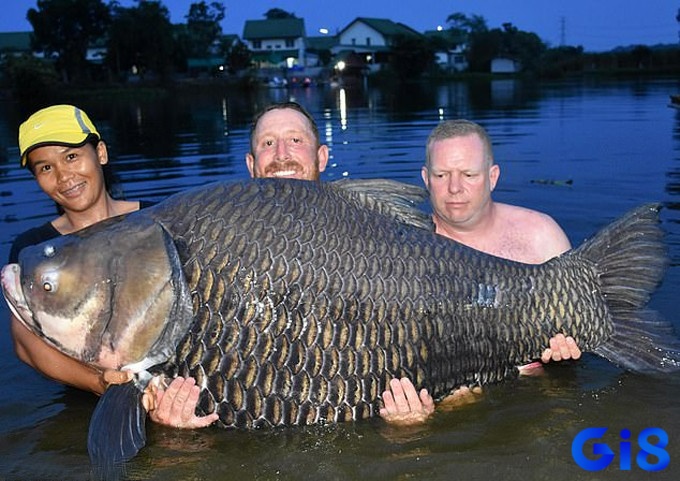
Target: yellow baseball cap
[(56, 125)]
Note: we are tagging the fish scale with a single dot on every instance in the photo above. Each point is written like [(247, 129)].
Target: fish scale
[(278, 267)]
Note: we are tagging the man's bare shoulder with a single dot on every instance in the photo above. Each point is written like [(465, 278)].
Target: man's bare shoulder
[(541, 233), (527, 218)]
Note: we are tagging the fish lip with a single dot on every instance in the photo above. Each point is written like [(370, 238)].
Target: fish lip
[(14, 294)]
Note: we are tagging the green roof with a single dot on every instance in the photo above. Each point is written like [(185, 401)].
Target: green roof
[(15, 41), (386, 27), (277, 28), (323, 42)]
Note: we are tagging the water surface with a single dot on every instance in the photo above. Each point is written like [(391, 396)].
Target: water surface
[(618, 145)]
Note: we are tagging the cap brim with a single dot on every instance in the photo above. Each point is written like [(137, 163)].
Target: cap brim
[(68, 139)]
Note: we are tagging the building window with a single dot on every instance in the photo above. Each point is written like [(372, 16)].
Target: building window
[(290, 42), (368, 41), (257, 43), (354, 41)]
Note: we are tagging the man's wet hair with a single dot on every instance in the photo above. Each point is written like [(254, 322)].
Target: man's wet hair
[(281, 106), (450, 129)]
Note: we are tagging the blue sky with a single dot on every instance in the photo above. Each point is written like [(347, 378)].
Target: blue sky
[(594, 24)]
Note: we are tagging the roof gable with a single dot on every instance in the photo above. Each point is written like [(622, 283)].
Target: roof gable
[(15, 41), (383, 26), (276, 28)]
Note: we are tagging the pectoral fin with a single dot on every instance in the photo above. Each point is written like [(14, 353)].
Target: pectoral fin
[(117, 430)]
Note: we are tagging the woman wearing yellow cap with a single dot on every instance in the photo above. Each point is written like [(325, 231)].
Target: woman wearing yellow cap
[(65, 153)]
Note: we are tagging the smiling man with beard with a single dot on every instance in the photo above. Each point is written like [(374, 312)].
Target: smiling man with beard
[(284, 143)]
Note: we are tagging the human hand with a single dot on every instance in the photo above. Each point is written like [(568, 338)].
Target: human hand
[(109, 377), (404, 406), (176, 405), (461, 396), (561, 349)]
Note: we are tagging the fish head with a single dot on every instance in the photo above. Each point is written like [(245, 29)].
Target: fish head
[(104, 295)]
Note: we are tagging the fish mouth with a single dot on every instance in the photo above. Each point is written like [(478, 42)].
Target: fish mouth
[(14, 295)]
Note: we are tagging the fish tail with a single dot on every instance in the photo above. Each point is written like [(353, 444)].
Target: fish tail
[(631, 259)]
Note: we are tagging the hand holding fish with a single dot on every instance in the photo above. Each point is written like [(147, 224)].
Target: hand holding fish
[(112, 376), (176, 405), (404, 406), (561, 349)]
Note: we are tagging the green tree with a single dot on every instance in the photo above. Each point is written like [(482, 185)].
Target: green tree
[(203, 27), (32, 80), (277, 14), (239, 57), (461, 27), (411, 56), (65, 29), (141, 40), (524, 47)]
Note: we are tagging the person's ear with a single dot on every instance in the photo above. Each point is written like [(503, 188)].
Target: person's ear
[(322, 155), (250, 163), (494, 174), (102, 153), (425, 174)]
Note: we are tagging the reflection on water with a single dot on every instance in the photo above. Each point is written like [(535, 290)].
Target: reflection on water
[(617, 142)]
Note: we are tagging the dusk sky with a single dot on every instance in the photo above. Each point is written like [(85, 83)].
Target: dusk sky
[(594, 24)]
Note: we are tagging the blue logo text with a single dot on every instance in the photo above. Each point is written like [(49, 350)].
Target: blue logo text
[(651, 457)]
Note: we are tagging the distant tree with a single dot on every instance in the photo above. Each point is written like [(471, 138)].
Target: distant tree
[(411, 56), (32, 80), (65, 29), (141, 39), (461, 27), (203, 26), (277, 14), (641, 57), (239, 57), (524, 47)]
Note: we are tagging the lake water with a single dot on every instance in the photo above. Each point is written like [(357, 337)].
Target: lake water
[(617, 142)]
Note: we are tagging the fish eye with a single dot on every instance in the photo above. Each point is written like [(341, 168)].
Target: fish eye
[(49, 250), (49, 282)]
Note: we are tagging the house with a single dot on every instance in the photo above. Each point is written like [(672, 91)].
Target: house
[(20, 43), (214, 60), (15, 43), (504, 65), (371, 38), (276, 43), (449, 53)]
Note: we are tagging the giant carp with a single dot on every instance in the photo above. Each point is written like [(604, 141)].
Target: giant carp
[(295, 302)]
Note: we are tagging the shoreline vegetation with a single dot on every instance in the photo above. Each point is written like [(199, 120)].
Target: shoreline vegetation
[(154, 87)]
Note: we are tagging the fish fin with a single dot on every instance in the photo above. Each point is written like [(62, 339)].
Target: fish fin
[(631, 259), (117, 430), (395, 199)]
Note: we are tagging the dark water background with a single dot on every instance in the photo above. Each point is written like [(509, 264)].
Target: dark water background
[(618, 142)]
